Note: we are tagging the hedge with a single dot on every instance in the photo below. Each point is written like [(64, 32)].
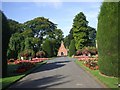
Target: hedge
[(107, 38)]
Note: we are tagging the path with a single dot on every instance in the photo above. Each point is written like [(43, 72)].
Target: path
[(60, 72)]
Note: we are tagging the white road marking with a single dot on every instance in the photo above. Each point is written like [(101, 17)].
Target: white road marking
[(78, 84)]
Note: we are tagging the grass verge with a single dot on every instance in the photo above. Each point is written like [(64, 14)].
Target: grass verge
[(6, 82), (110, 82)]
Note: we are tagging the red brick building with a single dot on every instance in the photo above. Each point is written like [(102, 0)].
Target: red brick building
[(62, 50)]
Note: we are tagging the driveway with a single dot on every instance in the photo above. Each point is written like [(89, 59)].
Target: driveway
[(60, 72)]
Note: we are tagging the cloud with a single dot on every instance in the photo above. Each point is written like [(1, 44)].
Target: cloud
[(59, 0), (55, 0), (55, 4)]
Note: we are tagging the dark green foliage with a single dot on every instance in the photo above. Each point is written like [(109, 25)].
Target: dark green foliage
[(54, 46), (83, 34), (56, 40), (27, 53), (16, 45), (72, 49), (47, 48), (107, 38), (5, 41), (66, 42), (68, 39), (40, 27), (119, 42), (80, 30), (92, 36), (28, 43), (31, 35), (40, 54), (14, 26)]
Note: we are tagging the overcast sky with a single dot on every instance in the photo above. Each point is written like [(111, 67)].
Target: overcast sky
[(61, 13)]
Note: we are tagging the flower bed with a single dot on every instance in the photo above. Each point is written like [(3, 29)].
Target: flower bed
[(24, 66), (34, 60), (84, 58), (92, 64), (110, 82)]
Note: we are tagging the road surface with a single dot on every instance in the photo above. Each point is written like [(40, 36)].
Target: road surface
[(61, 72)]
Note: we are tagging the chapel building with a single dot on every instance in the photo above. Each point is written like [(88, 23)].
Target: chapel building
[(62, 50)]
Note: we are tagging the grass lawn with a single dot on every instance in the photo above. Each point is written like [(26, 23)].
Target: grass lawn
[(12, 77), (110, 82)]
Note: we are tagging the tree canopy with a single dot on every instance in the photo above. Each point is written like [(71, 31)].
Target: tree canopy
[(41, 27), (14, 26), (80, 30), (32, 34), (83, 34), (68, 39)]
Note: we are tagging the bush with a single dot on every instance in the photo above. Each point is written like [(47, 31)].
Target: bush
[(107, 38), (92, 50), (40, 54), (79, 52), (72, 49), (27, 53), (85, 51), (11, 60)]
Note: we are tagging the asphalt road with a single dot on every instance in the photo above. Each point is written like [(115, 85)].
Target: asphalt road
[(60, 72)]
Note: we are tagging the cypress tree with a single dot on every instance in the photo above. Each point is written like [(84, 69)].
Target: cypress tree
[(72, 49), (107, 38), (80, 30)]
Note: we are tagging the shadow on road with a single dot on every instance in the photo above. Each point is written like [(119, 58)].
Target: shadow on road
[(51, 66), (44, 82)]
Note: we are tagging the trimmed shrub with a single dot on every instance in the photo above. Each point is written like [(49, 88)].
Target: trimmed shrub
[(40, 54), (11, 60), (72, 49), (79, 52), (92, 50), (85, 51), (107, 38), (27, 53)]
